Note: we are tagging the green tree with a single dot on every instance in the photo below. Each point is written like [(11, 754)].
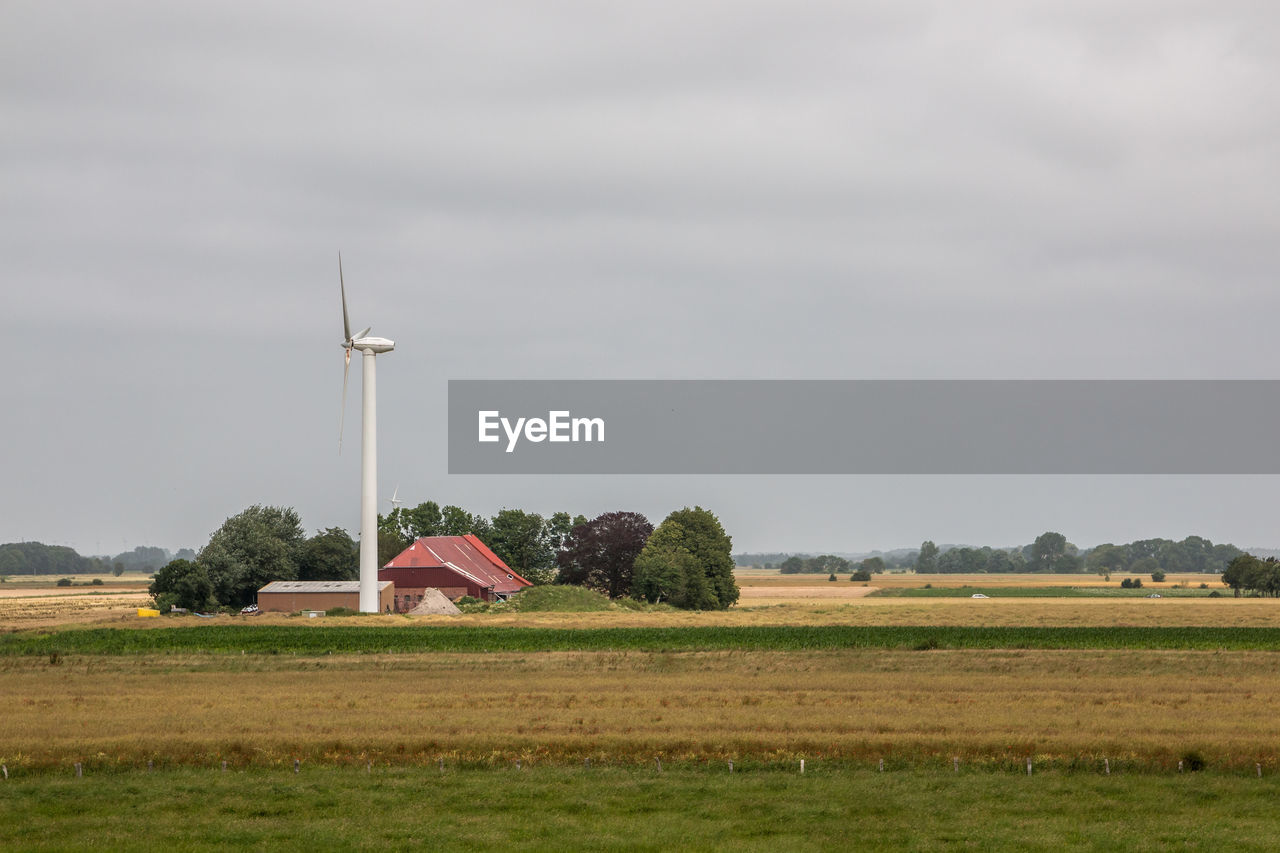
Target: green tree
[(250, 550), (117, 570), (184, 584), (1238, 571), (860, 575), (330, 555), (1248, 572), (792, 566), (430, 519), (144, 558), (389, 547), (873, 565), (1145, 566), (1158, 576), (927, 559), (1106, 559), (667, 571), (529, 543), (706, 539), (1051, 552)]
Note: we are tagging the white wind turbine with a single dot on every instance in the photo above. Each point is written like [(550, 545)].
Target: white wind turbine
[(395, 499), (370, 347)]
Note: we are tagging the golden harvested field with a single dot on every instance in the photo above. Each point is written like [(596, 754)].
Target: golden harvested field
[(1140, 709), (23, 606), (779, 600)]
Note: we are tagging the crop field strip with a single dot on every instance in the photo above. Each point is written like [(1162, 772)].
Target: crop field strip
[(1139, 710), (307, 639)]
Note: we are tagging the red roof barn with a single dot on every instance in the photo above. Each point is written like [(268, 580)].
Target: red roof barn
[(455, 565)]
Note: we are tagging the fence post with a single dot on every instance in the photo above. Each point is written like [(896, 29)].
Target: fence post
[(5, 767), (1028, 766), (658, 761), (1179, 765), (1106, 764), (882, 765), (587, 763), (1259, 770), (296, 765), (730, 766), (224, 765), (955, 764), (802, 767), (79, 770)]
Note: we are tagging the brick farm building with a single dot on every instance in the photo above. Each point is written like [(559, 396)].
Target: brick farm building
[(455, 565)]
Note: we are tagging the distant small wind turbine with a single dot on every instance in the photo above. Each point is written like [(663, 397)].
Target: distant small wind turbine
[(370, 347), (394, 500)]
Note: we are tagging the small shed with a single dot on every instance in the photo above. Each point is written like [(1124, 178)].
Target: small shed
[(292, 596)]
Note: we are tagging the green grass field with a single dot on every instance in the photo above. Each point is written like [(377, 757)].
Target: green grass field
[(617, 808)]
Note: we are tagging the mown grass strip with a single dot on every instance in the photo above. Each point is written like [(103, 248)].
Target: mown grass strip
[(322, 640)]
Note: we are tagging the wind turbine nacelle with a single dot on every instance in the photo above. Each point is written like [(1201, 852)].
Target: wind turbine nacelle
[(373, 345)]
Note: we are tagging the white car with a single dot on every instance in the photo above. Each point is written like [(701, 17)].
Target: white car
[(1155, 595), (979, 595)]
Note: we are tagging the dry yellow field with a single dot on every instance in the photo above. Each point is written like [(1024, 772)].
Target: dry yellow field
[(1140, 708), (1136, 708), (27, 606), (765, 600)]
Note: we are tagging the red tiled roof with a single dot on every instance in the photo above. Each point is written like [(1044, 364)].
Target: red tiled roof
[(466, 555)]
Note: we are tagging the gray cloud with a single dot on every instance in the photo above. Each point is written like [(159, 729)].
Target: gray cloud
[(574, 190)]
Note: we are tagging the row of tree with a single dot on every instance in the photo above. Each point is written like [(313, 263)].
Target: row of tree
[(685, 562), (1249, 574), (526, 541), (37, 558), (1050, 552), (830, 564)]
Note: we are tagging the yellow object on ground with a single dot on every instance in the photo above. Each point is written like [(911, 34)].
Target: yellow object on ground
[(147, 611)]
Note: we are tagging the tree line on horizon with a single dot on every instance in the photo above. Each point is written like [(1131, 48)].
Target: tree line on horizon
[(1051, 552), (37, 558)]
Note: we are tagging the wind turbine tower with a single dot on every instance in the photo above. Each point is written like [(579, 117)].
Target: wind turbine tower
[(369, 348)]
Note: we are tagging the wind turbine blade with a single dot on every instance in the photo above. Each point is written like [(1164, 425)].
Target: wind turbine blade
[(396, 494), (346, 324), (342, 417), (360, 334)]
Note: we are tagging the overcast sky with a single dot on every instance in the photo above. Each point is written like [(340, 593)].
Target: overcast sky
[(598, 190)]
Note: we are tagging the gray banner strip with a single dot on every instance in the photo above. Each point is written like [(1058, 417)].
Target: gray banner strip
[(863, 427)]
